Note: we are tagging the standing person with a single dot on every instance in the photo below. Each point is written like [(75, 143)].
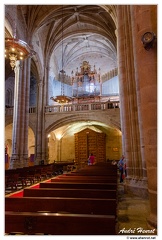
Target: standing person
[(121, 168), (91, 159), (125, 168)]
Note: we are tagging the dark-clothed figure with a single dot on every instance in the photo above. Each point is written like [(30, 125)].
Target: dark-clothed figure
[(121, 168)]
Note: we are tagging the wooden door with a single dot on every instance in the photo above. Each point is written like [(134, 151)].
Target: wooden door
[(87, 142)]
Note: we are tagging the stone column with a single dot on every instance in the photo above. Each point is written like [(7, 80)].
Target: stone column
[(41, 136), (45, 100), (19, 157), (38, 149), (144, 19), (22, 115), (15, 159), (128, 98), (25, 111)]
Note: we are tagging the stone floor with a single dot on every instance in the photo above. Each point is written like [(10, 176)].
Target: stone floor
[(132, 214)]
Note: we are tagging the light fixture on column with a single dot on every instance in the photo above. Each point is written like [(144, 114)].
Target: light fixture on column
[(16, 49), (62, 99)]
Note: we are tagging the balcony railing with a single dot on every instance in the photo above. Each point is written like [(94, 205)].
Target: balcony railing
[(82, 107), (71, 107), (9, 110)]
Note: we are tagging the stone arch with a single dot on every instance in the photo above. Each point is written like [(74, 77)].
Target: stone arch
[(83, 117), (8, 144), (101, 123), (8, 136), (8, 100), (8, 26)]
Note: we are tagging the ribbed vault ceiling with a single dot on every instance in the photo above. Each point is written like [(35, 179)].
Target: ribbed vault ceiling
[(80, 32)]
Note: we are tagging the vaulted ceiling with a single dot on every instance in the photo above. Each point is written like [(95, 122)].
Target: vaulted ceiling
[(80, 32), (76, 32)]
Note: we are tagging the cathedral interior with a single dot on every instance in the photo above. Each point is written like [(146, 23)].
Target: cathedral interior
[(82, 79)]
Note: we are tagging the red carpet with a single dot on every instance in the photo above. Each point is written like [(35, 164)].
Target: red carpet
[(20, 193)]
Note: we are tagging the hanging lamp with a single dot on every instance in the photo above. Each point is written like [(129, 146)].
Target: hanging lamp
[(62, 99)]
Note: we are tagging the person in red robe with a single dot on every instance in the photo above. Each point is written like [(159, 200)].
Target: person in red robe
[(91, 159)]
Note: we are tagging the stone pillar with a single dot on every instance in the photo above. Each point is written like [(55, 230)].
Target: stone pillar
[(19, 157), (41, 136), (45, 152), (25, 100), (144, 19), (128, 98), (15, 160), (22, 115), (38, 149)]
